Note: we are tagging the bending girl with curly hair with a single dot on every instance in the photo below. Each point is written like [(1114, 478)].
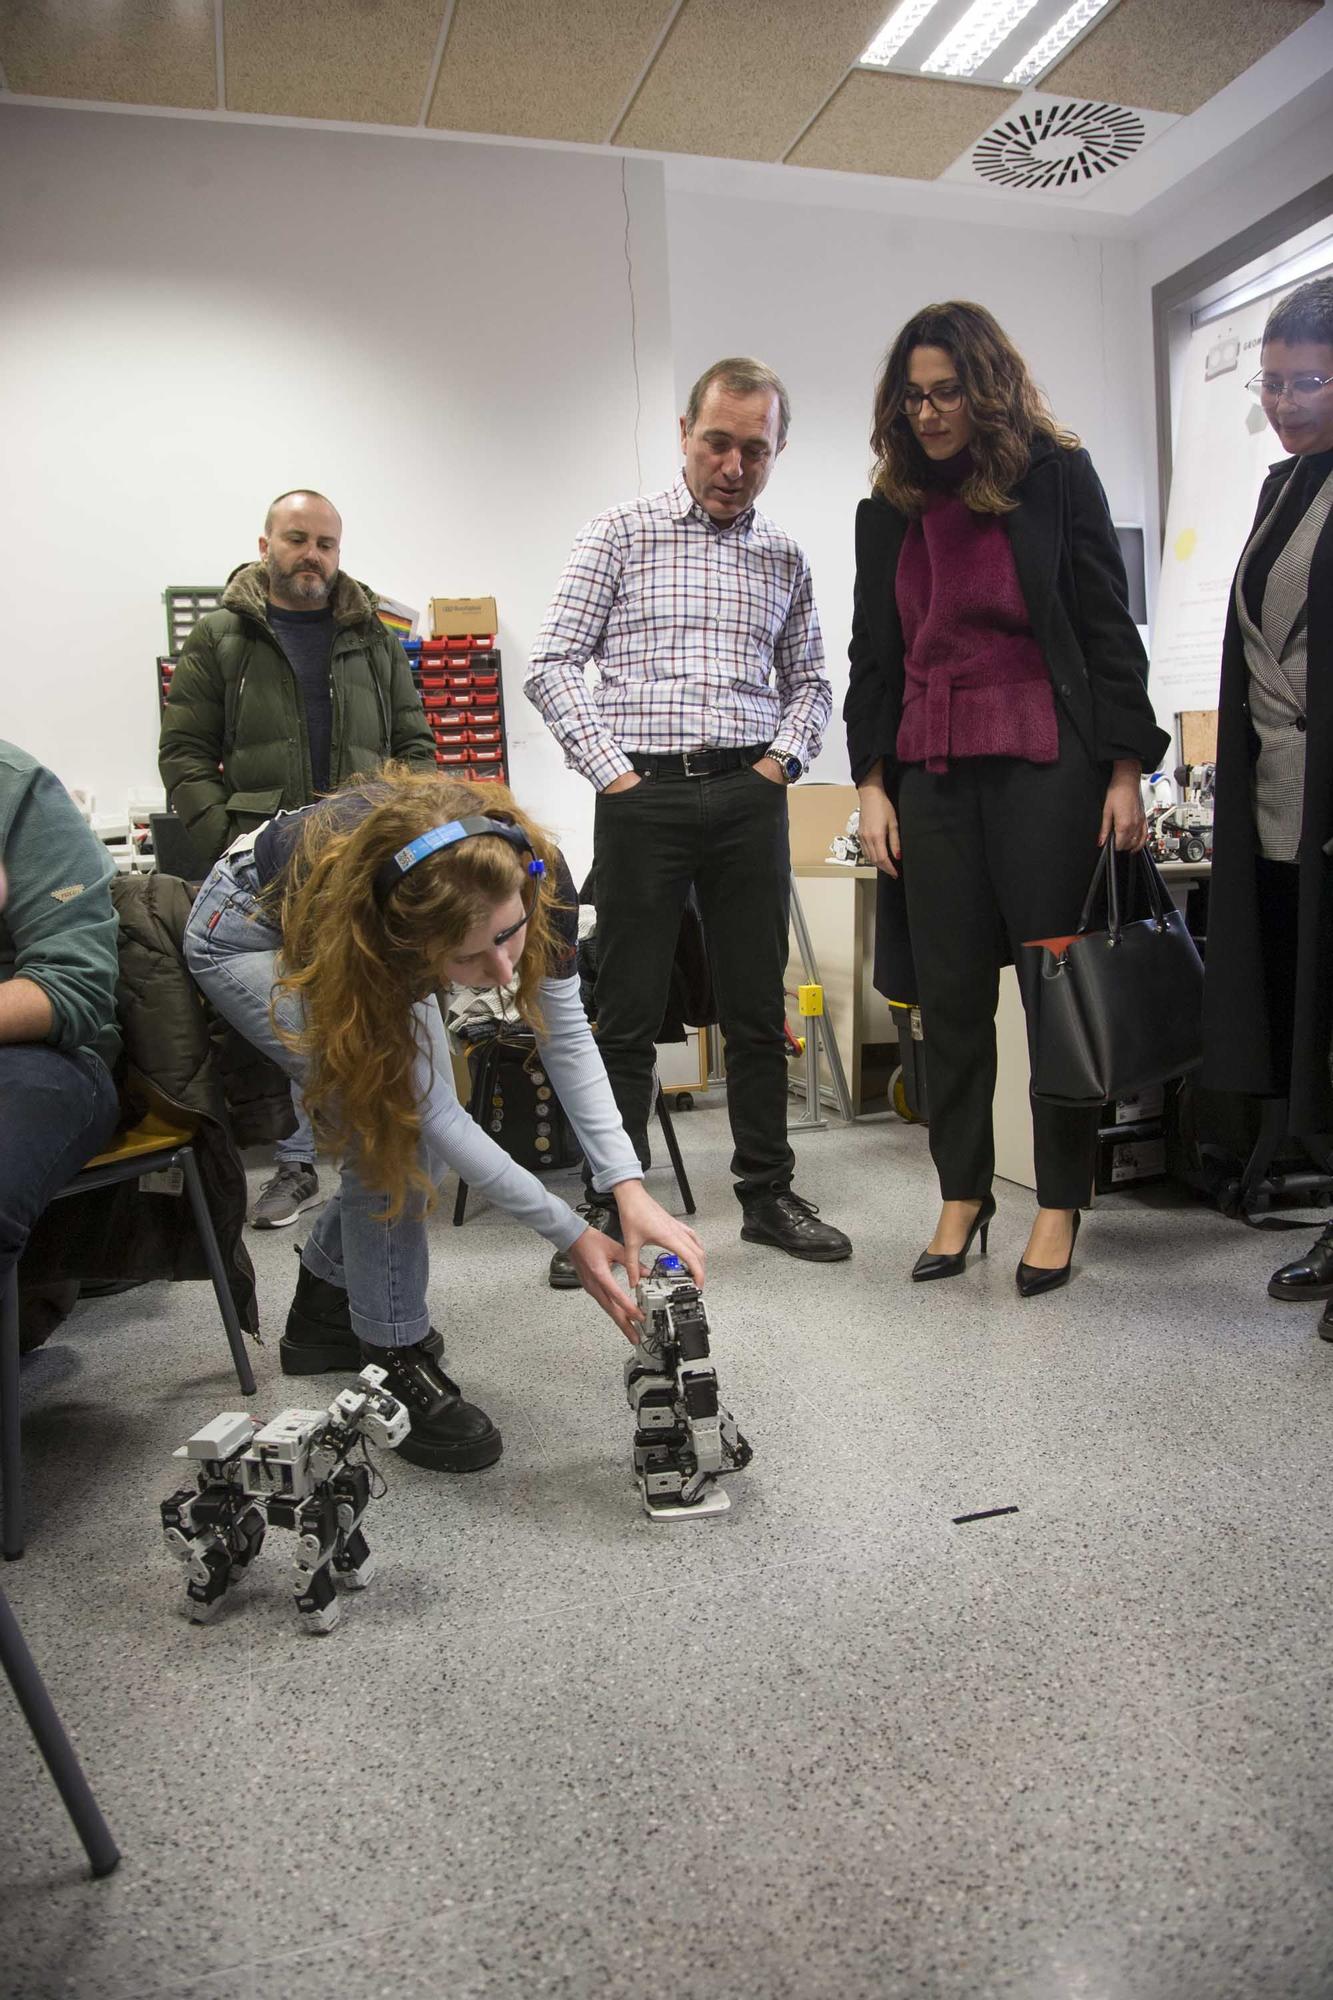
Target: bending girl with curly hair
[(323, 937), (997, 725)]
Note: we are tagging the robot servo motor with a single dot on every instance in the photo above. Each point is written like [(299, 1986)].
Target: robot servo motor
[(684, 1441), (295, 1472)]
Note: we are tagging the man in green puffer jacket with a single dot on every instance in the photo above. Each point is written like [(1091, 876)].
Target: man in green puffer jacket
[(288, 691)]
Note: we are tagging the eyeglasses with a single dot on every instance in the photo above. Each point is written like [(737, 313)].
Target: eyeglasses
[(943, 401), (1300, 388)]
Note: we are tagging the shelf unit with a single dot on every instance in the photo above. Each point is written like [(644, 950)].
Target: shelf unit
[(462, 692)]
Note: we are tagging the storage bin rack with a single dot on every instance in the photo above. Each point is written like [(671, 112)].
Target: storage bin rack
[(462, 692), (186, 604)]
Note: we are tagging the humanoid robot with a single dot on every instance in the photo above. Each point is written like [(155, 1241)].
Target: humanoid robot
[(684, 1441), (295, 1472)]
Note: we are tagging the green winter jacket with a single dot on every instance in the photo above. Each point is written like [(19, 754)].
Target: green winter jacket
[(234, 748)]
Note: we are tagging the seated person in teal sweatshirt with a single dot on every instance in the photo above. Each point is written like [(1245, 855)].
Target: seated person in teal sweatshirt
[(58, 1036)]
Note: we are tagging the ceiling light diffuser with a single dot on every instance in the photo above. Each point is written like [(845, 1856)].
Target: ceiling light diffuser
[(902, 23), (1056, 39), (983, 27)]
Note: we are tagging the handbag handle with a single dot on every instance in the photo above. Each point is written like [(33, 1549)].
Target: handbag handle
[(1106, 868)]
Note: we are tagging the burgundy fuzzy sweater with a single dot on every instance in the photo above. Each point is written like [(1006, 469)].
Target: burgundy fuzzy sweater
[(976, 682)]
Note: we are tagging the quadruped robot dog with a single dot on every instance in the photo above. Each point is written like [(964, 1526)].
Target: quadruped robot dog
[(684, 1440), (296, 1472)]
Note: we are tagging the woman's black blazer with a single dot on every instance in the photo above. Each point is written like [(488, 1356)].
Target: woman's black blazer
[(1072, 578), (1073, 582)]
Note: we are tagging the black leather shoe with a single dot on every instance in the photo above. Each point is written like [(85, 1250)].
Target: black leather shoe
[(319, 1340), (447, 1434), (602, 1214), (948, 1263), (792, 1224), (1326, 1323), (1307, 1277), (1034, 1278)]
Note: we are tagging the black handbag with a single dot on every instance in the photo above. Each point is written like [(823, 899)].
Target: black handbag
[(1119, 1008)]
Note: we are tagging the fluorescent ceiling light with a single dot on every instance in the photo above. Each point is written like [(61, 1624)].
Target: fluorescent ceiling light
[(980, 32), (1043, 53), (903, 22)]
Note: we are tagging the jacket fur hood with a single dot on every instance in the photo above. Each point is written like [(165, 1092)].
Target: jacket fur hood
[(247, 590)]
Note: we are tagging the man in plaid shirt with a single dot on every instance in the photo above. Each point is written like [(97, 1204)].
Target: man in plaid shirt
[(699, 615)]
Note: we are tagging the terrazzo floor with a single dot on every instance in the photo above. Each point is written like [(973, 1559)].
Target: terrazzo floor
[(831, 1745)]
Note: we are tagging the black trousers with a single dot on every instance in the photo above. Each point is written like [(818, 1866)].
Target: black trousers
[(728, 836), (995, 851)]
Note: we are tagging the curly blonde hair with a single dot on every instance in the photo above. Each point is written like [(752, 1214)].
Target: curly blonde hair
[(357, 963), (1008, 411)]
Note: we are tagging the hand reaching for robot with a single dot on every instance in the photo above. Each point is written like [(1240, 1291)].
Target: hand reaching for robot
[(642, 1220)]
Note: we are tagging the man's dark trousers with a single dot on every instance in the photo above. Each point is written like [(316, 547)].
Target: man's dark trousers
[(56, 1111), (726, 834)]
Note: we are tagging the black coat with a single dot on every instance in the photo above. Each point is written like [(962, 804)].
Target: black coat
[(1072, 578), (1237, 1043)]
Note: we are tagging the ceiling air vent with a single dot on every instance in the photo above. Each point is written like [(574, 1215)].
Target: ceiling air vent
[(1056, 144)]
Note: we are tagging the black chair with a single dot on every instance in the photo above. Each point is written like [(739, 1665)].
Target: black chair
[(30, 1693), (151, 1146), (484, 1079)]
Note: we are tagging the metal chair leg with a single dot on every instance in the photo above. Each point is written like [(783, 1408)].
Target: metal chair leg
[(483, 1083), (213, 1255), (677, 1164), (30, 1693), (11, 1447)]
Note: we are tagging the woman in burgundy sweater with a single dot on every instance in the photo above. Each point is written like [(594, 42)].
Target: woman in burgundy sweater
[(997, 723)]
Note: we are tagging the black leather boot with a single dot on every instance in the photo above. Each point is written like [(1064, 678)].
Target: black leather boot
[(319, 1339), (447, 1434), (1307, 1277)]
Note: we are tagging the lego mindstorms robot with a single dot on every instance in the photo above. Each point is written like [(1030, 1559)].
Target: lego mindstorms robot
[(684, 1441), (296, 1472)]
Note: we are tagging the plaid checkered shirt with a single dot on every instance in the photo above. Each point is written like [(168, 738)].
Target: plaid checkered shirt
[(703, 637)]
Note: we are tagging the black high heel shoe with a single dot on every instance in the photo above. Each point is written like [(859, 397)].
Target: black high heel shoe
[(948, 1264), (1034, 1278)]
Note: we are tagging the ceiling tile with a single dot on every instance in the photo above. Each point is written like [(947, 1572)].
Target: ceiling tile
[(367, 60), (740, 78), (120, 52), (914, 127), (526, 68), (1174, 58)]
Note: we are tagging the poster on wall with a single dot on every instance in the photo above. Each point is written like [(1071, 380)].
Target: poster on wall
[(1224, 447)]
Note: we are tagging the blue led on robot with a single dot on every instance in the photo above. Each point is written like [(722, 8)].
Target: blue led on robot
[(669, 1262)]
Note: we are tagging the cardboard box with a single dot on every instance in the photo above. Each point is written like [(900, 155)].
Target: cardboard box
[(463, 617), (1198, 735)]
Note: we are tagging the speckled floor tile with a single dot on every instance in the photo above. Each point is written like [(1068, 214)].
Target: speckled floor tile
[(831, 1745), (1269, 1747), (169, 1772)]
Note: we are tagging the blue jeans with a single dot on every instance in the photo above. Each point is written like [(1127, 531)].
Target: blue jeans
[(57, 1108), (231, 948), (298, 1148)]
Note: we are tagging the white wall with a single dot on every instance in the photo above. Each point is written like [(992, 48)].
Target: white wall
[(199, 315), (1260, 174), (818, 290)]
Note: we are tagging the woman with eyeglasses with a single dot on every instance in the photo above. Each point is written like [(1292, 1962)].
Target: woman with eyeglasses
[(1268, 992), (323, 938), (997, 725)]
